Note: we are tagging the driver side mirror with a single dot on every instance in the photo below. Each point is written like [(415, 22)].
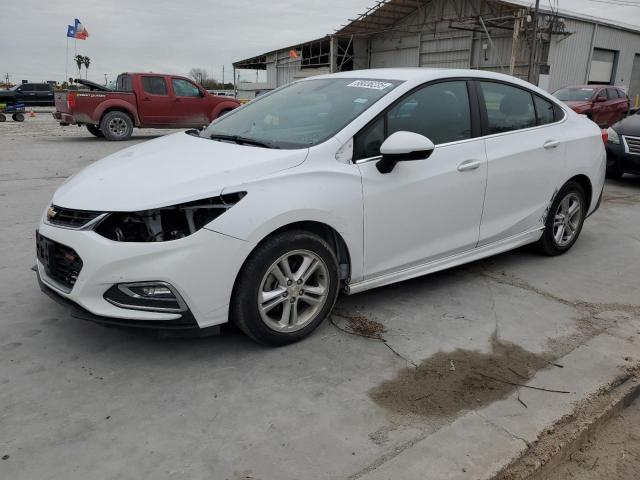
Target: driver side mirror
[(19, 90), (403, 147)]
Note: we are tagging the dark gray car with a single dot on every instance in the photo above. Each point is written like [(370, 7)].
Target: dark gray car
[(623, 147)]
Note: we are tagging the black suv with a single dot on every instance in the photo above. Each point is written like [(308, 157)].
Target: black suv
[(31, 94)]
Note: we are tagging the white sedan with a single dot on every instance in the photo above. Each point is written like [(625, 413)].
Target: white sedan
[(341, 182)]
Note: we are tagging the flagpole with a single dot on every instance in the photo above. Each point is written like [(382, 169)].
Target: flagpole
[(66, 63)]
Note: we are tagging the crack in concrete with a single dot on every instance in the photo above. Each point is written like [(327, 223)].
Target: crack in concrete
[(592, 308), (502, 429), (389, 456)]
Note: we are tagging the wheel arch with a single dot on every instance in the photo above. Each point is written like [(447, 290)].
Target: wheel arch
[(586, 185), (324, 231), (223, 106), (118, 108)]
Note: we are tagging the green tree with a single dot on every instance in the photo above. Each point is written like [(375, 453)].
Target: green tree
[(79, 59), (87, 62)]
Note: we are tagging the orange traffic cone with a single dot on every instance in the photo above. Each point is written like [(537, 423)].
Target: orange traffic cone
[(32, 113)]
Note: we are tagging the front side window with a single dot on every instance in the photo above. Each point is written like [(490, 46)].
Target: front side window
[(439, 111), (612, 93), (302, 114), (508, 108), (184, 88), (154, 85)]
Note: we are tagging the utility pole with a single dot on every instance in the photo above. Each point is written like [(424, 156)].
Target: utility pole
[(223, 76), (105, 80), (534, 42), (6, 80)]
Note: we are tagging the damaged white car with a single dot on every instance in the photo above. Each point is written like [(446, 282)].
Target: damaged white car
[(341, 182)]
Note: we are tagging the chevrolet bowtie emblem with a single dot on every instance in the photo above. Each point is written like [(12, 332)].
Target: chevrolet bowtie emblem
[(51, 213)]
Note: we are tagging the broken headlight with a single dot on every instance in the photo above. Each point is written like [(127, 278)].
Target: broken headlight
[(165, 223)]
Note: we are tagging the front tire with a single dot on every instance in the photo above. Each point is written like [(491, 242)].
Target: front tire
[(286, 288), (564, 220), (116, 126), (95, 131)]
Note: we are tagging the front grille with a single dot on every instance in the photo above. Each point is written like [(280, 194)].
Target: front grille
[(66, 217), (61, 263), (634, 144)]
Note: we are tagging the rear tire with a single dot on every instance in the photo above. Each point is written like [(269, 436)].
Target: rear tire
[(3, 117), (95, 131), (116, 126), (18, 117), (286, 288), (564, 220)]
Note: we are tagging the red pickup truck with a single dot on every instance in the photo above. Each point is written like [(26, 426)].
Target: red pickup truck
[(146, 100)]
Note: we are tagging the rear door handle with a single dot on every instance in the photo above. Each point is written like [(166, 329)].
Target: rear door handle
[(551, 144), (468, 165)]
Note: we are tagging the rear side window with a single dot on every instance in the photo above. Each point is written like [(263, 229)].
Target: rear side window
[(28, 87), (612, 93), (154, 85), (183, 88), (544, 110), (508, 108), (123, 83)]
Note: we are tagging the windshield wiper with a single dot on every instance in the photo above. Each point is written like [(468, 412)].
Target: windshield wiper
[(242, 140)]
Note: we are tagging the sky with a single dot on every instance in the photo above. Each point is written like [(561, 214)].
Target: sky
[(158, 35)]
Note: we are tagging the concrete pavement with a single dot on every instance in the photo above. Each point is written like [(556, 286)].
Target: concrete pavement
[(79, 401)]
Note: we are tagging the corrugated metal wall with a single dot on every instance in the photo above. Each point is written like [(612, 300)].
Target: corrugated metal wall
[(434, 44), (416, 41), (282, 69)]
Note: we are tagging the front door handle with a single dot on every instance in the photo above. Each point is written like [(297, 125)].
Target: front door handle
[(468, 165), (551, 144)]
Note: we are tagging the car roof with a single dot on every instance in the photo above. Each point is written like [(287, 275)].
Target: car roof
[(419, 75)]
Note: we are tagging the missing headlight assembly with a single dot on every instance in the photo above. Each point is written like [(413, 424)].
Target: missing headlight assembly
[(166, 223)]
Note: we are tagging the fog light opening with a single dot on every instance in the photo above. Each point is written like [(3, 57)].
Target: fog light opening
[(149, 296)]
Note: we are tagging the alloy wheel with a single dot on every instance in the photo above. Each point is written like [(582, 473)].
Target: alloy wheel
[(567, 219), (293, 291), (118, 126)]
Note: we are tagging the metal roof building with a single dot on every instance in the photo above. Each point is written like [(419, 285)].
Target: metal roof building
[(573, 42)]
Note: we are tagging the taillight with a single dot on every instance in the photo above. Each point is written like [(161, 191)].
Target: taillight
[(71, 100), (605, 136)]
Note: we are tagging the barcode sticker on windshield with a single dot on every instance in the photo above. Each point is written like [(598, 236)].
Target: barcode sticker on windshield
[(373, 84)]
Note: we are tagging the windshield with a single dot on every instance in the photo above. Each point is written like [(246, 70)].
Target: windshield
[(581, 94), (302, 114)]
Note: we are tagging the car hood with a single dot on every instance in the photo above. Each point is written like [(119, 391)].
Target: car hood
[(629, 126), (173, 169)]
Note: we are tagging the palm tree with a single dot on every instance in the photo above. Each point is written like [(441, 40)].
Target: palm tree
[(87, 62), (79, 59)]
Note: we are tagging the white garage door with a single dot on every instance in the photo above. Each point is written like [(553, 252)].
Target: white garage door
[(602, 66)]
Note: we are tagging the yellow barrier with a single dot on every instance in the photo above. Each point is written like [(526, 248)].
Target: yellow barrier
[(636, 101)]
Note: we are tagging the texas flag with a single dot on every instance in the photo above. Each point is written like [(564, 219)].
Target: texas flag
[(77, 31)]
